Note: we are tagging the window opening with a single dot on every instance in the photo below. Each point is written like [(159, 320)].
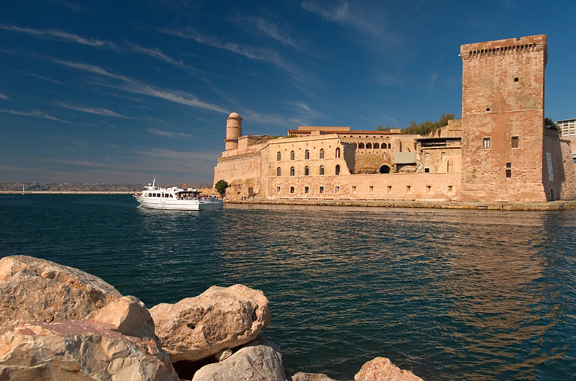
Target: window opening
[(486, 143), (292, 171), (278, 156), (292, 155), (321, 189), (515, 141), (306, 171), (306, 155), (338, 153), (321, 170), (337, 170), (278, 171), (322, 153)]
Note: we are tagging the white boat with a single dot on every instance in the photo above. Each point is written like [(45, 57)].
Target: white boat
[(155, 197)]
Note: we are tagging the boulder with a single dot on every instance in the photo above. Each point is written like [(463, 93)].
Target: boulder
[(130, 317), (259, 360), (219, 318), (382, 369), (80, 350), (33, 289), (308, 377)]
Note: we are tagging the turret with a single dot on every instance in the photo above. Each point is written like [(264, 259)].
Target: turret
[(233, 131)]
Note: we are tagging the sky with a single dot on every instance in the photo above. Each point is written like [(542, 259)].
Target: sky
[(122, 91)]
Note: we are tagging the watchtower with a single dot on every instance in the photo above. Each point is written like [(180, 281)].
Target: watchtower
[(233, 131), (503, 119)]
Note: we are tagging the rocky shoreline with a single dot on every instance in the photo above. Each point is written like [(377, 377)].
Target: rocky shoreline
[(60, 323)]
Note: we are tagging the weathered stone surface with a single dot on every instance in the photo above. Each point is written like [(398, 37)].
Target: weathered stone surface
[(80, 350), (219, 318), (33, 289), (308, 377), (129, 315), (382, 369), (259, 360)]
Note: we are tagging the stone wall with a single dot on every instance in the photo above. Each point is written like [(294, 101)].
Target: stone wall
[(421, 186)]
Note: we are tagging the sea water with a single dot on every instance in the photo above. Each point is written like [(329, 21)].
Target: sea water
[(447, 294)]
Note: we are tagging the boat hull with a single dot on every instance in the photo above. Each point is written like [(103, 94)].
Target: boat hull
[(163, 204)]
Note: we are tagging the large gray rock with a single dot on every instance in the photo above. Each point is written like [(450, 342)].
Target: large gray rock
[(80, 350), (259, 360), (33, 289), (219, 318), (382, 369)]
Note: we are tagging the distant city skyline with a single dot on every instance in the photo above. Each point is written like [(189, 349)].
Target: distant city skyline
[(115, 92)]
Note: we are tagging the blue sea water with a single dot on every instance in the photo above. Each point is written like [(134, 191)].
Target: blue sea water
[(447, 294)]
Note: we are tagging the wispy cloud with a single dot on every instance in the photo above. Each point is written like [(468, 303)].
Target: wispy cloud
[(271, 30), (157, 53), (256, 54), (367, 21), (2, 96), (134, 86), (60, 35), (171, 135), (127, 47), (92, 110), (42, 78), (92, 69), (33, 113)]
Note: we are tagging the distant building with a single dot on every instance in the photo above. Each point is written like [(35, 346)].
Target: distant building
[(499, 150), (568, 131)]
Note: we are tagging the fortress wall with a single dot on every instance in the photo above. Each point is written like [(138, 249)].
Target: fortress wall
[(379, 186), (560, 183), (242, 173)]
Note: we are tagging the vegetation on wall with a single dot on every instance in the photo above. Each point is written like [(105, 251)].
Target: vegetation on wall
[(549, 123), (427, 127), (221, 186)]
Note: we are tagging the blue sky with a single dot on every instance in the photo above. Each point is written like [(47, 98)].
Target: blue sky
[(119, 91)]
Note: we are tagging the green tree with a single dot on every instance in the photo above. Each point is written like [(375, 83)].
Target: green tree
[(427, 127), (549, 123), (221, 186)]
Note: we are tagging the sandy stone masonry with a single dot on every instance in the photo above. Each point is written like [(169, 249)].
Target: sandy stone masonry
[(498, 152)]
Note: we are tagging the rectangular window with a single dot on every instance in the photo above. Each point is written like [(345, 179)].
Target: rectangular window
[(515, 140), (486, 143), (306, 189), (508, 173), (321, 189), (291, 189), (389, 189)]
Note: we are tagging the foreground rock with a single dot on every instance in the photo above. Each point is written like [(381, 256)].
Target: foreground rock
[(219, 318), (33, 289), (382, 369), (308, 377), (80, 350), (259, 360)]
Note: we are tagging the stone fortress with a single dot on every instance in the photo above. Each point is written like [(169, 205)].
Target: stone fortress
[(499, 151)]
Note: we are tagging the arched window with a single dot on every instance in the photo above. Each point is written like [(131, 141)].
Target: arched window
[(389, 145), (306, 155), (369, 145), (338, 153), (278, 171), (384, 169), (278, 156), (292, 155), (337, 170), (321, 170), (322, 153), (292, 171), (376, 145), (361, 145), (306, 171)]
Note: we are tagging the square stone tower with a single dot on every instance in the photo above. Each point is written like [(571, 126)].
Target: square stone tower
[(503, 120)]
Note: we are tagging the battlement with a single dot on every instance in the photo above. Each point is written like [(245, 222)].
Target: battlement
[(505, 47)]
